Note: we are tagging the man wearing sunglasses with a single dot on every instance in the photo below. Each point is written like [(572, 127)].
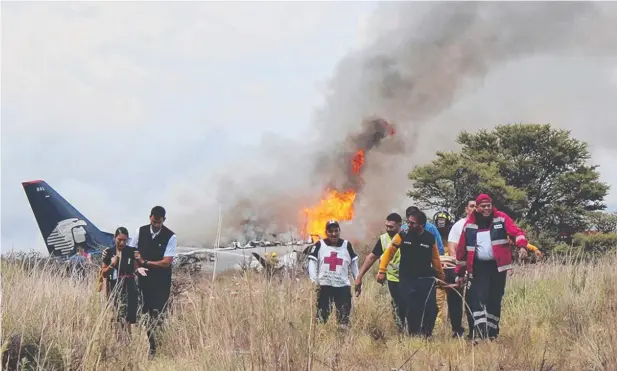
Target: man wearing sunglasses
[(420, 274), (430, 227)]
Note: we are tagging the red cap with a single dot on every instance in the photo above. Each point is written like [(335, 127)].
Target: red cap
[(483, 198)]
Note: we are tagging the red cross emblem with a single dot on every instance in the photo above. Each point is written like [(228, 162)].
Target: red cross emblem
[(333, 260)]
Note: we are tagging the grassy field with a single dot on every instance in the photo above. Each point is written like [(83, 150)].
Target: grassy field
[(556, 316)]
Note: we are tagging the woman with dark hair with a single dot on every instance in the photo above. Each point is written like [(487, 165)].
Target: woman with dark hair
[(119, 268)]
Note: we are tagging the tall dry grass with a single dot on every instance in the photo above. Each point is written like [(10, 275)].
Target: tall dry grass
[(556, 316)]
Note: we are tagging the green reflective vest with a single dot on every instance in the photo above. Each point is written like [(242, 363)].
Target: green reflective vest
[(393, 267)]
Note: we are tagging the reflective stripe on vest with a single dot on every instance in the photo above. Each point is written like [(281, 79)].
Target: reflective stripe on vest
[(498, 236), (393, 266)]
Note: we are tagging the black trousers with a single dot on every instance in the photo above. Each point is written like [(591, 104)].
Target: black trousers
[(124, 294), (341, 296), (455, 304), (398, 308), (485, 295), (155, 295), (419, 297)]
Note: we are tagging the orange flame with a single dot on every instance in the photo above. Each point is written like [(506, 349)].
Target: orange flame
[(334, 205), (337, 205)]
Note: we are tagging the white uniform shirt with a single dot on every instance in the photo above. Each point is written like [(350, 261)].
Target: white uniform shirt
[(170, 249), (331, 265), (456, 230), (484, 247)]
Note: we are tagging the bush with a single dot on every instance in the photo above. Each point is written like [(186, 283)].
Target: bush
[(565, 249), (582, 243), (596, 242), (545, 241), (601, 221)]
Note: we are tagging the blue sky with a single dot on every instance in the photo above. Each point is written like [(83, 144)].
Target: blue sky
[(97, 97)]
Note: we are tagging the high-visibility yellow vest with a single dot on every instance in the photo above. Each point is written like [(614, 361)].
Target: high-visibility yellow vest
[(393, 267)]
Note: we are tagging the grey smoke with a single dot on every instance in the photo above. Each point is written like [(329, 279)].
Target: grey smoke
[(338, 165), (414, 72), (423, 59)]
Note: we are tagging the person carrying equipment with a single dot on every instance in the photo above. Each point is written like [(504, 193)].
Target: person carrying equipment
[(330, 262), (456, 307), (393, 227), (419, 265), (484, 253), (443, 221)]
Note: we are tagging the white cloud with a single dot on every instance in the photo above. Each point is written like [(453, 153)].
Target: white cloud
[(106, 58), (97, 96)]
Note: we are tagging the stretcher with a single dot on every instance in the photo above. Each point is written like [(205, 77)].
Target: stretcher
[(447, 261)]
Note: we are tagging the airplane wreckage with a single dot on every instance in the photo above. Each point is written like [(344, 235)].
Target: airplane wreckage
[(71, 237), (269, 262), (73, 240)]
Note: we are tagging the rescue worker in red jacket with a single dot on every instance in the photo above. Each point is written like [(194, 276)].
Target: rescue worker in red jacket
[(484, 253)]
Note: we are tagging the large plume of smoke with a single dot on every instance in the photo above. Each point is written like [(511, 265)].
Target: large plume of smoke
[(422, 59), (417, 68)]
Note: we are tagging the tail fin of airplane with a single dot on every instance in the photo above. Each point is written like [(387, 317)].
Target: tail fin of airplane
[(63, 227)]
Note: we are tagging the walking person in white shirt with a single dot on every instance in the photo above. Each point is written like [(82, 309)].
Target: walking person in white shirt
[(155, 246), (455, 295), (331, 260), (457, 228)]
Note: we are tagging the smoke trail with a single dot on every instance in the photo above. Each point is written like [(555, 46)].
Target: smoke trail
[(415, 69), (343, 166)]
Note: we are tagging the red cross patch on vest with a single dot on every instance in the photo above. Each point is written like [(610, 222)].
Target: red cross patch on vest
[(333, 261)]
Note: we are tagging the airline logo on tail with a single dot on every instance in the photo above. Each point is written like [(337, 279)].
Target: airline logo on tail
[(66, 235), (62, 226)]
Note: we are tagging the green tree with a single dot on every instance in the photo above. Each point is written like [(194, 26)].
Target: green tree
[(602, 222), (452, 179), (538, 173)]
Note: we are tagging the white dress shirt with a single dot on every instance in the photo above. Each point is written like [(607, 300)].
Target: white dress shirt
[(172, 244)]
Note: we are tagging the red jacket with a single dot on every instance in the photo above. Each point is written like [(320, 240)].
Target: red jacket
[(500, 227)]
